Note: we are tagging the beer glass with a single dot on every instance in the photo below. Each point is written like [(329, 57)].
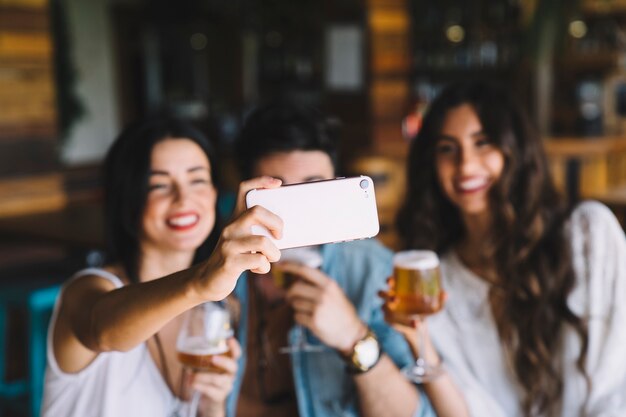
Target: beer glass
[(417, 294), (308, 256), (204, 334)]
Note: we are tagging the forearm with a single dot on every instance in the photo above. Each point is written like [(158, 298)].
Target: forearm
[(123, 318), (445, 397), (214, 410), (395, 397)]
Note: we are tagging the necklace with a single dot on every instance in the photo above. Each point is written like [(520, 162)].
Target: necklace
[(179, 405), (166, 369)]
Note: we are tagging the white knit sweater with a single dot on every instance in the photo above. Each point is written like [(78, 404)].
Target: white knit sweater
[(466, 337)]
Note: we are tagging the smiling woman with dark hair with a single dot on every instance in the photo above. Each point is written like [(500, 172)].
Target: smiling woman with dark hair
[(112, 338), (127, 186), (534, 321)]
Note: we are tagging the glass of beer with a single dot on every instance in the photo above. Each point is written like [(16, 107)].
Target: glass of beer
[(203, 335), (307, 256), (417, 294)]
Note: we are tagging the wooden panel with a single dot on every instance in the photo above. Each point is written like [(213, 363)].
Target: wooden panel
[(388, 19), (603, 6), (389, 40), (398, 148), (558, 170), (390, 99), (593, 175), (580, 147), (78, 226), (386, 133), (28, 148), (31, 194), (25, 156), (22, 20), (15, 45), (394, 4), (601, 162), (26, 4), (387, 61), (388, 235), (26, 83), (389, 27)]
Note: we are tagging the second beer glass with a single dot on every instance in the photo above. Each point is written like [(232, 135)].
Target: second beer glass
[(417, 294), (204, 334), (308, 256)]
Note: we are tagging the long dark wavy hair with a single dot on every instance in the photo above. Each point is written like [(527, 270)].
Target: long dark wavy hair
[(528, 245), (126, 176)]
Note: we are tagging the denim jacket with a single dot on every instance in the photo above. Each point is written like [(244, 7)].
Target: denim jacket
[(323, 387)]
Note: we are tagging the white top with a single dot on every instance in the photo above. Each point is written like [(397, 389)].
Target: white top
[(466, 337), (115, 384)]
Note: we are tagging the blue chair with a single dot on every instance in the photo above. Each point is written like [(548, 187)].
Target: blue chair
[(226, 201), (37, 301)]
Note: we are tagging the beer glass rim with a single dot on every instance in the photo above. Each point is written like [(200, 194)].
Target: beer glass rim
[(307, 255), (416, 259)]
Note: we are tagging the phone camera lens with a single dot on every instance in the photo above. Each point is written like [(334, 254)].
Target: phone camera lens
[(364, 184)]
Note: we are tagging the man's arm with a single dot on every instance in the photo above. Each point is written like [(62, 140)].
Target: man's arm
[(384, 391), (321, 306)]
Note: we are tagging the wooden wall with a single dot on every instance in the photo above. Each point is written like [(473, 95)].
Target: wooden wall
[(28, 127), (389, 94), (389, 68)]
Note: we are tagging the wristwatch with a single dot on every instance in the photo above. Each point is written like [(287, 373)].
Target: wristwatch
[(365, 354)]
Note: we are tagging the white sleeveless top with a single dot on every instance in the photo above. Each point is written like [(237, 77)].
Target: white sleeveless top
[(115, 384)]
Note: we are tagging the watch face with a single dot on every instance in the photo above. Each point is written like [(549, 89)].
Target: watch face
[(367, 352)]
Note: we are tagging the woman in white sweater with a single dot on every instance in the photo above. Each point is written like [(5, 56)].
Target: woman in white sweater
[(535, 319)]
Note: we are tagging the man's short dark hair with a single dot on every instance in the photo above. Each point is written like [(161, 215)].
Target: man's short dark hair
[(284, 127)]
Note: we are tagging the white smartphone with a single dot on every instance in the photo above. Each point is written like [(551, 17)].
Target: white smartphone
[(319, 212)]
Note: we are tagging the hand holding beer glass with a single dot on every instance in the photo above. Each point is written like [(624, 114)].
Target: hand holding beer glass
[(308, 256), (203, 335), (415, 292)]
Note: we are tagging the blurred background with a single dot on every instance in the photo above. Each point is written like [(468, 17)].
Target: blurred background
[(74, 72)]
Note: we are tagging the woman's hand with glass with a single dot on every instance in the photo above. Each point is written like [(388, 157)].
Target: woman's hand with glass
[(408, 326), (414, 293), (214, 387), (209, 353)]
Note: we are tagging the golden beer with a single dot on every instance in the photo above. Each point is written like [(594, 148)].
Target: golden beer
[(202, 361), (203, 335), (281, 278), (417, 287), (308, 256)]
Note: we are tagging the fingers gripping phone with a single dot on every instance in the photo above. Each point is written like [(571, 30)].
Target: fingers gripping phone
[(319, 212)]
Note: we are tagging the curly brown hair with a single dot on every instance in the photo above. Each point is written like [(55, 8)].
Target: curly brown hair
[(530, 251)]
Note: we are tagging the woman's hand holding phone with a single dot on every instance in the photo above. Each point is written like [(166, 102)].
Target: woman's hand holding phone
[(251, 184), (237, 249)]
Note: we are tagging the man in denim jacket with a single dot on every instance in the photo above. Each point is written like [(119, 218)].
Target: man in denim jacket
[(337, 304)]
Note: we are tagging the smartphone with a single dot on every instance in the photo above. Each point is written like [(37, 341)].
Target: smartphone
[(319, 212)]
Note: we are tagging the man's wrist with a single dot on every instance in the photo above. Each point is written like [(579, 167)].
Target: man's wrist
[(359, 333), (364, 354)]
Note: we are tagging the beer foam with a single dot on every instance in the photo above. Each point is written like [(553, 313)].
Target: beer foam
[(416, 259), (307, 256), (199, 346)]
